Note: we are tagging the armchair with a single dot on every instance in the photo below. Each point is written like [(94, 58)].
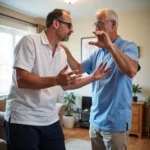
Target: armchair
[(3, 145)]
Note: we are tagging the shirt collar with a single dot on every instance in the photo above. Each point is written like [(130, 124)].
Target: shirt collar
[(46, 42), (118, 41), (44, 38)]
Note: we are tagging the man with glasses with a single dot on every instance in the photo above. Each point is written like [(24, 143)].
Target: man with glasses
[(40, 65), (110, 116)]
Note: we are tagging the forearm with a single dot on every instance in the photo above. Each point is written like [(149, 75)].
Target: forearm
[(27, 80), (125, 64), (37, 82), (80, 83), (73, 63)]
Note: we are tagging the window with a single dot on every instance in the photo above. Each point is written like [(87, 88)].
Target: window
[(9, 37)]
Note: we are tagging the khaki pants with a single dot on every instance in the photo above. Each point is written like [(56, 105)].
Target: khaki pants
[(104, 140)]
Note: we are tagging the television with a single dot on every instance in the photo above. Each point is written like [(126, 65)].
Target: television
[(86, 102)]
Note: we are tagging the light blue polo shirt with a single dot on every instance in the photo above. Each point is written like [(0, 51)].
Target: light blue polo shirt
[(112, 95)]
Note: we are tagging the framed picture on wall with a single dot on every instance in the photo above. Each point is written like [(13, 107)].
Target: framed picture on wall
[(86, 48), (139, 51)]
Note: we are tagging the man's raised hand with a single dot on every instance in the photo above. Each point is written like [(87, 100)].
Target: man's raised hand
[(64, 78)]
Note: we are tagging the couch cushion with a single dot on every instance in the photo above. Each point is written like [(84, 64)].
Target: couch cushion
[(3, 145), (1, 119), (2, 103)]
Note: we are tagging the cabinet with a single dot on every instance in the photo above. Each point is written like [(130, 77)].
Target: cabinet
[(137, 118), (149, 121)]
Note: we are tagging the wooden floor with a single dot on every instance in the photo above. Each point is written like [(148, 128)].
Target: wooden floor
[(83, 133)]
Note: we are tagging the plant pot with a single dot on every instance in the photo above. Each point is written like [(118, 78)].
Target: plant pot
[(135, 98), (68, 121)]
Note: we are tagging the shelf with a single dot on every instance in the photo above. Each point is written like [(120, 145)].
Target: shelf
[(82, 112), (85, 124), (84, 118)]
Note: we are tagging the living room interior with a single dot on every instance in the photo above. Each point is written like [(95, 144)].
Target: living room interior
[(26, 17)]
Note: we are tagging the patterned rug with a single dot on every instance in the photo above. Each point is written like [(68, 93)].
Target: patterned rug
[(77, 144)]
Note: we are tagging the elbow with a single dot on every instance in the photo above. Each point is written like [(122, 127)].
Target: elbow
[(133, 71), (20, 85), (80, 68), (132, 74)]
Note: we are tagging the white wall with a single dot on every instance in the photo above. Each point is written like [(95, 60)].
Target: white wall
[(133, 26)]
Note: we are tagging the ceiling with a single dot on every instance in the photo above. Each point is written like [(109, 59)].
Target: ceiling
[(80, 9)]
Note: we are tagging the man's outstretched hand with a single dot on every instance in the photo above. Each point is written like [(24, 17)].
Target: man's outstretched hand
[(64, 78), (100, 72)]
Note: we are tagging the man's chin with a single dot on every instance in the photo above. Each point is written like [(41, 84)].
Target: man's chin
[(66, 39)]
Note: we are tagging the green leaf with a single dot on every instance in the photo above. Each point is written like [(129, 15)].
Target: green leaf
[(69, 100)]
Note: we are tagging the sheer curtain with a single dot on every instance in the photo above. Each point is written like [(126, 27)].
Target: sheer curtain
[(10, 33)]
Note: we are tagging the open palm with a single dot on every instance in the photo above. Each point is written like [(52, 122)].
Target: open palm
[(100, 72)]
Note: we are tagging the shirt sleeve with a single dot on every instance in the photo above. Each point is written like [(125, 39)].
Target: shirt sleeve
[(132, 51), (87, 64), (24, 54)]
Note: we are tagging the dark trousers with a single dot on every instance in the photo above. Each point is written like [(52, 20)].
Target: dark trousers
[(28, 137)]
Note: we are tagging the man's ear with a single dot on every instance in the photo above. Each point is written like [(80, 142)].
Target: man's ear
[(113, 23), (55, 24)]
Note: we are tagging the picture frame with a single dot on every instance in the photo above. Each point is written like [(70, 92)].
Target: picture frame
[(139, 51), (86, 48)]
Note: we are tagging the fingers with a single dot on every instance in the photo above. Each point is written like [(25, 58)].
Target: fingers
[(93, 43), (74, 78), (63, 46), (102, 65), (99, 33), (65, 69), (65, 79), (108, 70), (72, 72)]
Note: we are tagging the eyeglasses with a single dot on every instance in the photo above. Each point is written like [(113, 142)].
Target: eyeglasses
[(100, 23), (67, 23)]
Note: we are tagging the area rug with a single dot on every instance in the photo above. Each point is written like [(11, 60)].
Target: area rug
[(77, 144)]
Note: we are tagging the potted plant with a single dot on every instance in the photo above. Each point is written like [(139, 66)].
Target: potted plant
[(69, 100), (136, 89), (148, 101)]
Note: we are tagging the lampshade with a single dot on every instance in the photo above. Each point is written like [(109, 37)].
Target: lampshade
[(70, 1)]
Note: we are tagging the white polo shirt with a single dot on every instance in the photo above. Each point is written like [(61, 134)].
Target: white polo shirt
[(35, 107)]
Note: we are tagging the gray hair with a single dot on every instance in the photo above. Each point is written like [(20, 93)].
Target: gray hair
[(110, 15)]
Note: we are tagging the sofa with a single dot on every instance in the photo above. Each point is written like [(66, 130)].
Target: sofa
[(59, 106)]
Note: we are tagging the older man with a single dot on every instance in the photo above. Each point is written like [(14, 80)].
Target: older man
[(110, 118)]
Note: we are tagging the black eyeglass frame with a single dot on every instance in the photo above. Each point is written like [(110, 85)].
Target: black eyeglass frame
[(67, 23)]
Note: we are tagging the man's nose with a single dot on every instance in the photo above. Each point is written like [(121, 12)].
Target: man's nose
[(97, 28), (72, 30)]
